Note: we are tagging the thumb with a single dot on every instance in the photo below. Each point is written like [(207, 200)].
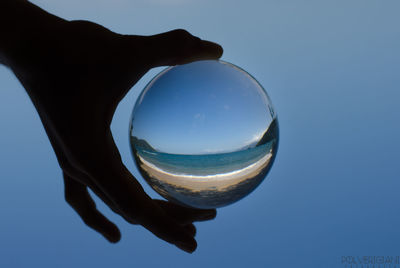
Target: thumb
[(179, 47)]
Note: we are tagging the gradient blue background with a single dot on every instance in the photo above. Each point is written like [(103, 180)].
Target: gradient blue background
[(331, 69)]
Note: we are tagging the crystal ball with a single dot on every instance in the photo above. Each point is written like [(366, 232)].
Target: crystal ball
[(204, 134)]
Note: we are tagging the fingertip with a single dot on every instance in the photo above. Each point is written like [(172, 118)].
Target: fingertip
[(209, 214), (113, 235), (213, 50), (220, 51), (187, 246)]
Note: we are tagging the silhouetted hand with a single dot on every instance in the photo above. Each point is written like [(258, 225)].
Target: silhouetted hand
[(76, 73)]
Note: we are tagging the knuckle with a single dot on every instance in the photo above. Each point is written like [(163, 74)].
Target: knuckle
[(66, 166), (88, 220), (88, 155), (181, 34), (86, 160), (71, 199)]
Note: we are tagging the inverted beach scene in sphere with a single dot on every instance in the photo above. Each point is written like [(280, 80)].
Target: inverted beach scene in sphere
[(204, 134)]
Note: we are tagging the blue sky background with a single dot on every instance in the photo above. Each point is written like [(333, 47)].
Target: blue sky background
[(331, 69)]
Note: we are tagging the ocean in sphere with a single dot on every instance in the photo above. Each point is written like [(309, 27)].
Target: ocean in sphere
[(204, 134)]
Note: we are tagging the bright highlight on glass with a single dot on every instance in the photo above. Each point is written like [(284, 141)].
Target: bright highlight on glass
[(204, 134)]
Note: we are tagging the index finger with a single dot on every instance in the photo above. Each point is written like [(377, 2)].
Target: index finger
[(178, 47)]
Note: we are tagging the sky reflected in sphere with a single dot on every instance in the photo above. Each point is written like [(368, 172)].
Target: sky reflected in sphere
[(204, 134)]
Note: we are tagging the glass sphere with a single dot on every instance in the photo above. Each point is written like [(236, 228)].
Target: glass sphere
[(204, 134)]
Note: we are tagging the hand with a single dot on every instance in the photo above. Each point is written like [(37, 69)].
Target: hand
[(76, 73)]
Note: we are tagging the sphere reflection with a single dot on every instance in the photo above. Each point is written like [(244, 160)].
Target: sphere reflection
[(204, 134)]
